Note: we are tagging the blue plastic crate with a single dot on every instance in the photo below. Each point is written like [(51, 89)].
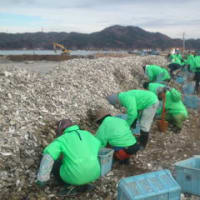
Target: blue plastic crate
[(135, 131), (106, 159), (159, 185), (187, 174), (191, 101), (190, 75), (180, 79), (189, 88)]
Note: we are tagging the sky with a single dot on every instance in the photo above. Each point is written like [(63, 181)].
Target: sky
[(170, 17)]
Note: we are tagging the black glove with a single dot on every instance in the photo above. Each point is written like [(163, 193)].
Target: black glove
[(132, 149), (144, 136)]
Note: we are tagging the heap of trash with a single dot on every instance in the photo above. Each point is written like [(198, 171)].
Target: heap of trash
[(31, 104)]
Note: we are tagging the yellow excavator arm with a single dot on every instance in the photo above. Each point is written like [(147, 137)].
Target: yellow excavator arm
[(64, 50)]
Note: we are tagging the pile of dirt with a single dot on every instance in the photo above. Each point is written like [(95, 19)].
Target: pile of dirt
[(32, 103), (62, 57), (20, 58)]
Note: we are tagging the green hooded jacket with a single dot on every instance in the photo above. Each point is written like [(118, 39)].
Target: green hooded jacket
[(196, 67), (190, 61), (80, 164), (172, 56), (136, 100), (173, 104), (179, 56), (154, 86), (153, 71), (116, 132), (177, 60)]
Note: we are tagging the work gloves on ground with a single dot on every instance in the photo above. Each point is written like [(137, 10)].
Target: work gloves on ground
[(144, 136)]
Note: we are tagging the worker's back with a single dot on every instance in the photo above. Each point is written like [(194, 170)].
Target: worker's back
[(80, 149), (143, 98), (116, 132)]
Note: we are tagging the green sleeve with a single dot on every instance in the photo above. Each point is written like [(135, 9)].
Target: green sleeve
[(53, 149), (46, 166), (131, 108), (149, 74), (101, 136)]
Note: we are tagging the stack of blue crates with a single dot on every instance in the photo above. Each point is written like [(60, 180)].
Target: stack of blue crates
[(180, 79), (189, 88), (159, 185), (191, 101), (187, 174), (106, 159)]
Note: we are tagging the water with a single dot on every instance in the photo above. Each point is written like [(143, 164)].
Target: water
[(52, 52)]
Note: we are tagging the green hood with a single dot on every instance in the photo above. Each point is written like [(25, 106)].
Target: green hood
[(175, 95)]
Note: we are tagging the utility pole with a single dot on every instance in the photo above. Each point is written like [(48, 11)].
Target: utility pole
[(183, 42)]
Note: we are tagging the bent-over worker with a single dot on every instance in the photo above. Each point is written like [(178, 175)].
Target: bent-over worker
[(135, 102), (79, 164), (176, 112), (156, 73), (116, 132)]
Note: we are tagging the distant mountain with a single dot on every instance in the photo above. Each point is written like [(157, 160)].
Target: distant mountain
[(114, 37)]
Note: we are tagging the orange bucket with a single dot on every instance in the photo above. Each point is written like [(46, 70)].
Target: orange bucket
[(162, 125)]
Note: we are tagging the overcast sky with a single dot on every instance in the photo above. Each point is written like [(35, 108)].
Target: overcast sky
[(171, 17)]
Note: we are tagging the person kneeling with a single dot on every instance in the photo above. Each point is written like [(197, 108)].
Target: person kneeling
[(79, 164), (117, 133)]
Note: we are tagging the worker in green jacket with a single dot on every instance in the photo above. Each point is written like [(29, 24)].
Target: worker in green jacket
[(196, 70), (189, 61), (136, 102), (117, 133), (175, 65), (156, 73), (79, 164), (176, 112)]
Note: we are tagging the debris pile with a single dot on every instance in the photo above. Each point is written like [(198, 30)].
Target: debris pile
[(31, 103)]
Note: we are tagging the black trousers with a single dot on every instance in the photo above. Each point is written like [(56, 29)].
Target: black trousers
[(197, 80), (56, 172), (132, 149), (173, 67)]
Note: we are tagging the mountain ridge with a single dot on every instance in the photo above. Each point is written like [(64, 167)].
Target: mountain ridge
[(113, 37)]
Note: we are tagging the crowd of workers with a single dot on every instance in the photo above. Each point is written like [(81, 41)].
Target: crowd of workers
[(191, 63), (73, 156)]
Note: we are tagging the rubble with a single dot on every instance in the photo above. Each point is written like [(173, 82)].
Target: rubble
[(31, 103)]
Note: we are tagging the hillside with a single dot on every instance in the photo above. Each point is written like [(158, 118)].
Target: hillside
[(114, 37)]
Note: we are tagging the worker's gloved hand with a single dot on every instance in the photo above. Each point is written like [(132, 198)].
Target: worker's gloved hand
[(41, 184), (144, 136)]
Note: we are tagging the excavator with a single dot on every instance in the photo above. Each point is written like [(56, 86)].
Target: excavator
[(64, 50)]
